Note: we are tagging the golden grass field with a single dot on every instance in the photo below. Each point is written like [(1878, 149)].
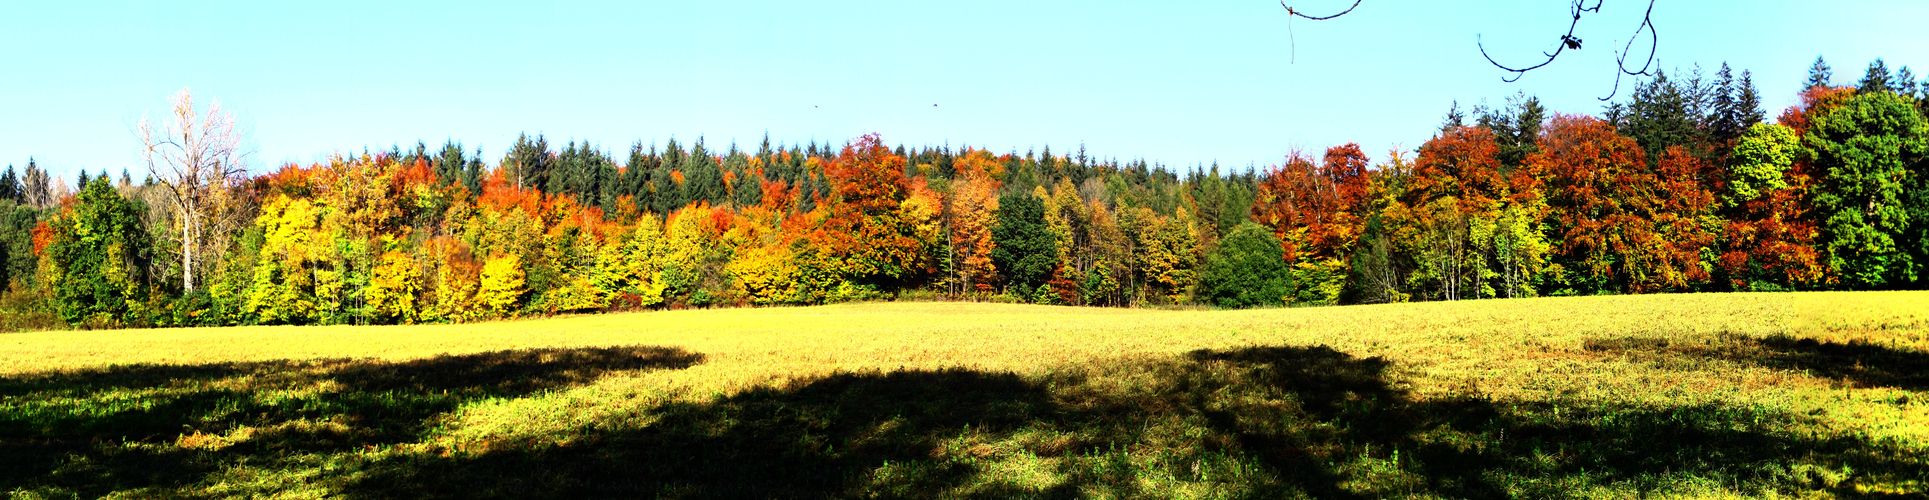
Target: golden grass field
[(1803, 394)]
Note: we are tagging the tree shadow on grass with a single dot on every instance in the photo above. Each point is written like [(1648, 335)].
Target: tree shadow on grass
[(96, 431), (819, 438), (1855, 363), (1258, 422)]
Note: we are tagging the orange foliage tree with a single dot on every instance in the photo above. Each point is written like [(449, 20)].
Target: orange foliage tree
[(867, 231), (969, 213), (1610, 210)]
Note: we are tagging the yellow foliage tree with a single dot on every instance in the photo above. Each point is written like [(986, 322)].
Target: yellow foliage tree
[(284, 284), (393, 287), (765, 274), (502, 285)]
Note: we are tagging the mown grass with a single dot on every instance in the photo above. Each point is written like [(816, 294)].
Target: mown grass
[(1810, 394)]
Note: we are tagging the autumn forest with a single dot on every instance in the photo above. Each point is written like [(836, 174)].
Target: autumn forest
[(1685, 185)]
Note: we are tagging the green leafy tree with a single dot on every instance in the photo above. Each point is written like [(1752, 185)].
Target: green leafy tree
[(1246, 270), (1867, 150), (100, 254), (1760, 162)]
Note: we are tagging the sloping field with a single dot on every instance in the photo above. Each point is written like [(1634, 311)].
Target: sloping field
[(1712, 394)]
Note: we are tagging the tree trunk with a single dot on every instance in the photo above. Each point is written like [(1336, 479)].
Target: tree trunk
[(187, 251)]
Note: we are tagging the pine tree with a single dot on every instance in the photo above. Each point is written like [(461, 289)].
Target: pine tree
[(1724, 117), (1877, 79), (1022, 246), (10, 188), (1695, 96), (665, 194), (472, 176), (702, 178), (1516, 127), (528, 162), (635, 181), (746, 188), (1748, 104), (1819, 74), (1660, 116), (449, 164), (1905, 82)]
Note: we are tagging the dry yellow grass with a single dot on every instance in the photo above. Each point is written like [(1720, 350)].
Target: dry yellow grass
[(1769, 353)]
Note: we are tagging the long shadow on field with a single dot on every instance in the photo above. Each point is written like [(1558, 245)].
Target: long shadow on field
[(92, 432), (1259, 422), (1855, 363)]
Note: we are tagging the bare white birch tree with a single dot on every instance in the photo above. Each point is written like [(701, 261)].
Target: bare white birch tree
[(195, 156)]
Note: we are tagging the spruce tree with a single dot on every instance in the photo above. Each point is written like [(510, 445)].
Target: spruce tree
[(1877, 79), (1748, 103), (635, 181), (472, 176), (1819, 74), (1659, 116), (528, 162), (1724, 118), (665, 195), (702, 178), (10, 188), (1905, 82), (449, 164), (1024, 249)]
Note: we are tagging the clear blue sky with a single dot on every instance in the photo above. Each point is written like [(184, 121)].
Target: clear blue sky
[(1175, 82)]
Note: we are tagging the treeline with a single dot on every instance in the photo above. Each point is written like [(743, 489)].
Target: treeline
[(1684, 187)]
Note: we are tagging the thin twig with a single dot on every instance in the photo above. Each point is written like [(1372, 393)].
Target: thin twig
[(1621, 61), (1291, 11), (1567, 41)]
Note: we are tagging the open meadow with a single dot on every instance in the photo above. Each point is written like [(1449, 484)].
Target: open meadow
[(1703, 395)]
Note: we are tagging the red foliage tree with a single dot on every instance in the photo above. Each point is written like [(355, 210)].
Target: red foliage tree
[(1296, 201), (864, 229), (1605, 200), (1463, 163), (1684, 218)]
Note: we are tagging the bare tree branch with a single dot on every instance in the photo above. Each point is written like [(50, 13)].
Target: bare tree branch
[(1621, 60), (1295, 12), (1567, 41)]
